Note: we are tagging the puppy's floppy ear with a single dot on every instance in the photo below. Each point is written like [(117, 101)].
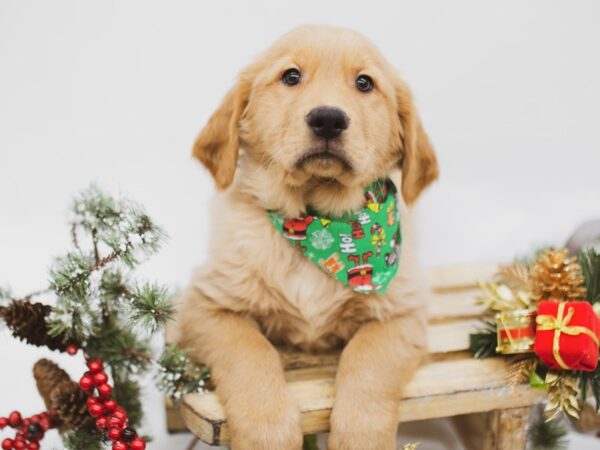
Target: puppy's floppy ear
[(217, 145), (418, 161)]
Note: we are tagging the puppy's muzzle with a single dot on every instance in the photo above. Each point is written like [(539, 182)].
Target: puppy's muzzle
[(327, 122)]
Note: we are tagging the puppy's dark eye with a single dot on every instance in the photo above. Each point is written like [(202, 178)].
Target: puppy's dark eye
[(364, 83), (291, 77)]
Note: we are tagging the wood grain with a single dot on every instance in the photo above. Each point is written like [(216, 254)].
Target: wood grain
[(451, 383)]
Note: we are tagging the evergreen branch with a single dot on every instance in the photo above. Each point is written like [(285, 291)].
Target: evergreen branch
[(95, 244), (74, 321), (6, 296), (74, 238), (114, 286), (589, 382), (483, 343), (150, 307), (127, 394), (120, 348), (93, 292), (179, 375), (120, 224), (548, 435), (589, 260), (85, 438), (70, 274)]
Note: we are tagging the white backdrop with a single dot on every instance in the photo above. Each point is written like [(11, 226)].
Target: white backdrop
[(115, 92)]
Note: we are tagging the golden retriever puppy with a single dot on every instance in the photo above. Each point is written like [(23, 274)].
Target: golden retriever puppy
[(307, 127)]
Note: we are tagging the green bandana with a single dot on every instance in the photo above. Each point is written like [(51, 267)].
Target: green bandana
[(360, 249)]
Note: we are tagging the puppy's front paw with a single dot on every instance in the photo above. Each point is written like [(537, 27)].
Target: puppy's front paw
[(273, 424), (356, 431)]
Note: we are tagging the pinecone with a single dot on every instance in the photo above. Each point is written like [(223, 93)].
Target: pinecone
[(27, 322), (69, 402), (47, 377), (555, 276)]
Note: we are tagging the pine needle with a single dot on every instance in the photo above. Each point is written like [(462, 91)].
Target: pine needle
[(150, 307), (544, 435), (179, 375), (483, 343), (589, 260)]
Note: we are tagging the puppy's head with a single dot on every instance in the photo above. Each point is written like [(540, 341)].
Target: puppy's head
[(322, 107)]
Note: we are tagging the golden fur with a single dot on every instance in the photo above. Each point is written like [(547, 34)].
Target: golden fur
[(258, 290)]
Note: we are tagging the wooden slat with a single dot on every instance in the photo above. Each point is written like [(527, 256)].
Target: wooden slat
[(440, 389), (452, 336), (453, 304), (459, 277), (443, 338), (451, 383)]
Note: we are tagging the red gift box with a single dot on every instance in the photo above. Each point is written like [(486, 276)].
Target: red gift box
[(567, 335)]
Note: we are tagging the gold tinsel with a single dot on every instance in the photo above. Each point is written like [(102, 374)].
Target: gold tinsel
[(519, 371), (563, 391), (556, 276), (410, 446), (516, 276), (499, 297)]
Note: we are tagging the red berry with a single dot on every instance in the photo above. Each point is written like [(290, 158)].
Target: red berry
[(101, 423), (92, 401), (96, 410), (95, 365), (137, 444), (86, 382), (110, 404), (19, 445), (3, 422), (33, 446), (72, 349), (45, 423), (100, 378), (104, 390), (119, 445), (7, 444), (120, 413), (114, 433), (115, 422), (14, 419)]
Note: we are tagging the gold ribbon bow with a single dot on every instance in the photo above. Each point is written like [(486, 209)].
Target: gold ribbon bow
[(560, 324)]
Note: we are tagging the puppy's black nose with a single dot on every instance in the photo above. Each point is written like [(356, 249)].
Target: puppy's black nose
[(327, 122)]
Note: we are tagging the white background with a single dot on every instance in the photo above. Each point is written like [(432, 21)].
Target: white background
[(115, 92)]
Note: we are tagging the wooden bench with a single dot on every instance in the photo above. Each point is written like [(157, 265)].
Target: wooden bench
[(487, 414)]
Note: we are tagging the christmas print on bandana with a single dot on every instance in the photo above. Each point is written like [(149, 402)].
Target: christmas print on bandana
[(360, 249)]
